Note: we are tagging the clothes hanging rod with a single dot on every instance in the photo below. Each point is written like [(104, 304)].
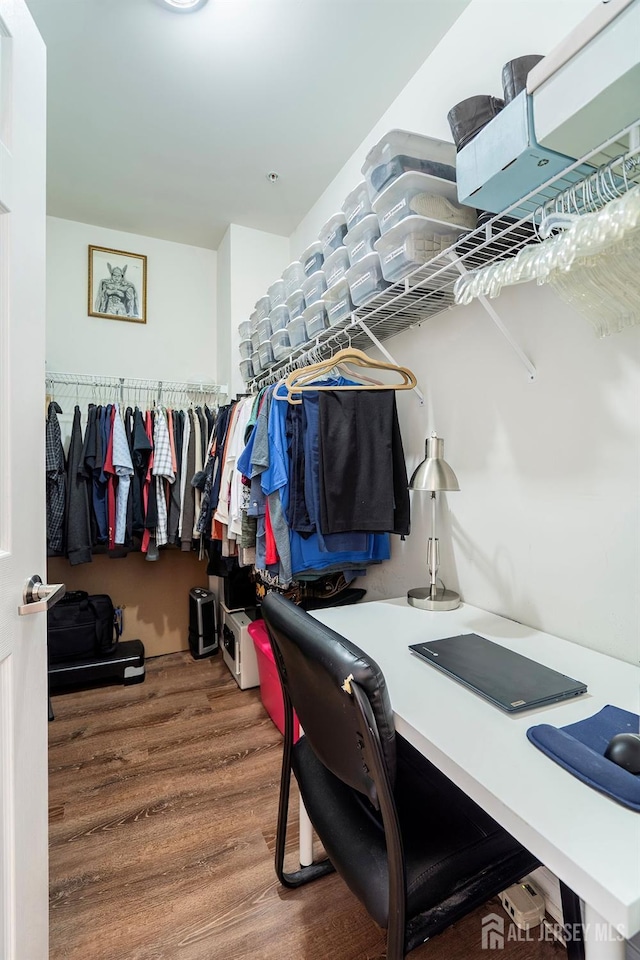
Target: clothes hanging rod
[(135, 383)]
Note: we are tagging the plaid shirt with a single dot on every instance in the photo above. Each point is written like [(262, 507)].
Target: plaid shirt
[(56, 480), (162, 468)]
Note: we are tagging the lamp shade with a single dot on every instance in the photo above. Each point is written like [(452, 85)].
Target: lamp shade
[(434, 473)]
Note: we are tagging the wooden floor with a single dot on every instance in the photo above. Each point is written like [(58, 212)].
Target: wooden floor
[(163, 800)]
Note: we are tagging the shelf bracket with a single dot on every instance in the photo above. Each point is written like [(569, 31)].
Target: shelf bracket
[(383, 350), (524, 359)]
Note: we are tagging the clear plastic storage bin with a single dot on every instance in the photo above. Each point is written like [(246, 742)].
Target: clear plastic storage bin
[(357, 205), (277, 294), (360, 241), (244, 329), (338, 302), (279, 318), (295, 304), (265, 352), (336, 266), (255, 362), (314, 287), (281, 344), (411, 243), (246, 370), (297, 331), (332, 234), (399, 151), (315, 319), (263, 308), (253, 320), (264, 330), (312, 258), (411, 194), (255, 340), (293, 275), (365, 279), (246, 349)]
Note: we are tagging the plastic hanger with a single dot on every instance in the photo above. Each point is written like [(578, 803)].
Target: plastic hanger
[(301, 380)]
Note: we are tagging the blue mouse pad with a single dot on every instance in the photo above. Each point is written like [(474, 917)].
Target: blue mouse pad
[(579, 748)]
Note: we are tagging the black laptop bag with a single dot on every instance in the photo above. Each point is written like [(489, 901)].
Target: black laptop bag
[(80, 626)]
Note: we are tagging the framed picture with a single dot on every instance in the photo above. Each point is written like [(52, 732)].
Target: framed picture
[(117, 285)]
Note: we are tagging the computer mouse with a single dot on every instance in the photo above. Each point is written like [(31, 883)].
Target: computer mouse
[(624, 749)]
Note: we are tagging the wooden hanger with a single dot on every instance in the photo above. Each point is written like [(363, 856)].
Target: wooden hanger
[(300, 380)]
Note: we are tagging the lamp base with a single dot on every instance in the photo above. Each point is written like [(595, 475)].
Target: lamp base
[(443, 600)]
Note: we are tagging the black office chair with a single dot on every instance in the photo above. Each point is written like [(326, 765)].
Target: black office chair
[(411, 846)]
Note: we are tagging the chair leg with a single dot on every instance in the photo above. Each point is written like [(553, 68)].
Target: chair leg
[(395, 939), (314, 870), (396, 929), (573, 920)]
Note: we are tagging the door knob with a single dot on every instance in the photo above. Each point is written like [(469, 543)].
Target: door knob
[(38, 596)]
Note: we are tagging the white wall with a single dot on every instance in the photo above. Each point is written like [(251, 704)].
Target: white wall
[(255, 260), (467, 61), (546, 526), (178, 342), (223, 335)]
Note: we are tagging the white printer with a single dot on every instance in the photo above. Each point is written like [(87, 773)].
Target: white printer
[(238, 651)]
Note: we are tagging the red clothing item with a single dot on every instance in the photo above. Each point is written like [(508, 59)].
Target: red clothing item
[(271, 553), (147, 480)]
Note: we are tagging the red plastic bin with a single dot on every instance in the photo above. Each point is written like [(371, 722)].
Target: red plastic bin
[(270, 689)]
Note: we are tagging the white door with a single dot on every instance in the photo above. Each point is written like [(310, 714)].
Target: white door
[(23, 668)]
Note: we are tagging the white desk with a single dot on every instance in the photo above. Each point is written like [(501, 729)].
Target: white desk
[(586, 839)]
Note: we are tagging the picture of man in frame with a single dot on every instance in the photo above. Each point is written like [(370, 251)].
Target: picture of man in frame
[(117, 295)]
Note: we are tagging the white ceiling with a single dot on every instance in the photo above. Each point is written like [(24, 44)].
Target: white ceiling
[(166, 124)]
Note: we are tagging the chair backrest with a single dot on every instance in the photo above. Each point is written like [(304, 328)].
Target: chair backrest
[(314, 662)]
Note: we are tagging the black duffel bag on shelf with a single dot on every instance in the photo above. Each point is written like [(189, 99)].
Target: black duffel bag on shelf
[(80, 626)]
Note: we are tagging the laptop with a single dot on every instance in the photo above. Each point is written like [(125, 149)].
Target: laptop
[(507, 679)]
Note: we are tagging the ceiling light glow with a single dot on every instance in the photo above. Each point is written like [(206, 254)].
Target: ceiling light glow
[(184, 5)]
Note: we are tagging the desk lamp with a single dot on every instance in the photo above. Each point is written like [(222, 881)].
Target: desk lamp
[(433, 474)]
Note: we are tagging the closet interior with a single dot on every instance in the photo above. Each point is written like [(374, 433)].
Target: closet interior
[(121, 454), (326, 354)]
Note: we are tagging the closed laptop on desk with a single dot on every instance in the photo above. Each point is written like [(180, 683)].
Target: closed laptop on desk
[(509, 680)]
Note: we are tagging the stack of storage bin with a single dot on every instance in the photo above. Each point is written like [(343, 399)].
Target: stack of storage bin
[(263, 329), (411, 183), (337, 301), (280, 344), (364, 276), (294, 277), (255, 343), (401, 215), (314, 285), (246, 350)]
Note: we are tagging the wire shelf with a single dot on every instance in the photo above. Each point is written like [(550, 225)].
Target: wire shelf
[(429, 289)]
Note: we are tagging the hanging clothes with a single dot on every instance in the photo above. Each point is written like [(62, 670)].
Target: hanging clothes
[(189, 514), (267, 462), (77, 537), (142, 448), (199, 464), (176, 418), (149, 501), (186, 490), (123, 467), (129, 479), (363, 477), (56, 481), (162, 471)]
